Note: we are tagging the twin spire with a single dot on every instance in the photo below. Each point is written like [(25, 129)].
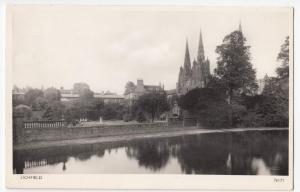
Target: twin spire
[(200, 56)]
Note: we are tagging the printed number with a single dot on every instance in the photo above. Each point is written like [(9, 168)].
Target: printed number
[(278, 180)]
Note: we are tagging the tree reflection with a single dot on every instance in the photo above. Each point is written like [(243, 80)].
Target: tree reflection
[(203, 155), (241, 153), (149, 154)]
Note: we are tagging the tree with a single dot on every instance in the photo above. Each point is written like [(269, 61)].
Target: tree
[(129, 87), (24, 110), (54, 111), (52, 94), (153, 104), (234, 71), (40, 103), (31, 95), (112, 111), (79, 87), (94, 111), (86, 95), (283, 56), (209, 106)]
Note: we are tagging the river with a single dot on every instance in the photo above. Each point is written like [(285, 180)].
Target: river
[(226, 153)]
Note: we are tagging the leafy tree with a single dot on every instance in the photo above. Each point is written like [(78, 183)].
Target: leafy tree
[(79, 87), (129, 87), (208, 105), (40, 103), (86, 95), (74, 112), (52, 94), (31, 95), (94, 111), (153, 104), (112, 111), (234, 72), (54, 111), (24, 110), (140, 117), (283, 56), (272, 107)]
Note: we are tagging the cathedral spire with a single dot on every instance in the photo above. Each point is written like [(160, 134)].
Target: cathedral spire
[(240, 27), (200, 56), (187, 60)]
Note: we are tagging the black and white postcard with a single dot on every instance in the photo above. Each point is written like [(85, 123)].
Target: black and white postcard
[(149, 97)]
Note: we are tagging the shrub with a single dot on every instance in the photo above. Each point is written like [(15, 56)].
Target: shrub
[(141, 117)]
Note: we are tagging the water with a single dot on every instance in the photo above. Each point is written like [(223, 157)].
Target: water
[(239, 153)]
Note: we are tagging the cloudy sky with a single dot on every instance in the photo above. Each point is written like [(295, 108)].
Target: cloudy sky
[(55, 45)]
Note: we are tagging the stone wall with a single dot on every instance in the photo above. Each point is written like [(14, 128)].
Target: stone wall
[(65, 133)]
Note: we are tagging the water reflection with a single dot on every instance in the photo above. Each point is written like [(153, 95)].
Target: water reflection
[(149, 154), (240, 153)]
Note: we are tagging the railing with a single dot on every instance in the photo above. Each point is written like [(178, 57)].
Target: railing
[(44, 124), (182, 122), (29, 164)]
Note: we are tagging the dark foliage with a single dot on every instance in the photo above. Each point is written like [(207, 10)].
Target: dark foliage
[(152, 104), (234, 71), (283, 56), (112, 111), (208, 105)]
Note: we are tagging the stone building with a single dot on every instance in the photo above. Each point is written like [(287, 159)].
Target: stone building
[(195, 76), (141, 89)]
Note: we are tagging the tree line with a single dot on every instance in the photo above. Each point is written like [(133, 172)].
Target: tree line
[(230, 98), (39, 104)]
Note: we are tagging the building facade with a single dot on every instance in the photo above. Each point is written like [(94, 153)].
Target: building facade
[(141, 89), (196, 76), (69, 95)]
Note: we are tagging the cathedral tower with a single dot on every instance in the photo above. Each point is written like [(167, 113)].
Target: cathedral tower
[(197, 75)]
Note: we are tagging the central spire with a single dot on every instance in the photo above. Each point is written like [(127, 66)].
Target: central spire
[(200, 56), (187, 60)]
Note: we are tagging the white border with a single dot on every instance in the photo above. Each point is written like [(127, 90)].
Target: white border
[(161, 185)]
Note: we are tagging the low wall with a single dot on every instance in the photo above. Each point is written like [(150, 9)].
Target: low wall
[(65, 133)]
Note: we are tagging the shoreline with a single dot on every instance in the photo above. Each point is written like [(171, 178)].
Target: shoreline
[(116, 138)]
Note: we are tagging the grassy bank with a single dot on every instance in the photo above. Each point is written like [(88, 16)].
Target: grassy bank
[(127, 137)]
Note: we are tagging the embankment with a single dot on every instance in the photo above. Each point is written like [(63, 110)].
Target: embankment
[(130, 133)]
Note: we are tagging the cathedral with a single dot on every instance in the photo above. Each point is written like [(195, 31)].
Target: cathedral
[(195, 76)]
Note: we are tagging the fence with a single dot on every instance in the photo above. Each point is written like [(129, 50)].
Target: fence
[(179, 122), (29, 131), (44, 124)]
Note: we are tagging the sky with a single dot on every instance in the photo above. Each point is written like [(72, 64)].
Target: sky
[(105, 47)]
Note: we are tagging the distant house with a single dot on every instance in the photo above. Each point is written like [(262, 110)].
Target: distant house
[(111, 98), (171, 93), (142, 89), (69, 95), (16, 94)]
